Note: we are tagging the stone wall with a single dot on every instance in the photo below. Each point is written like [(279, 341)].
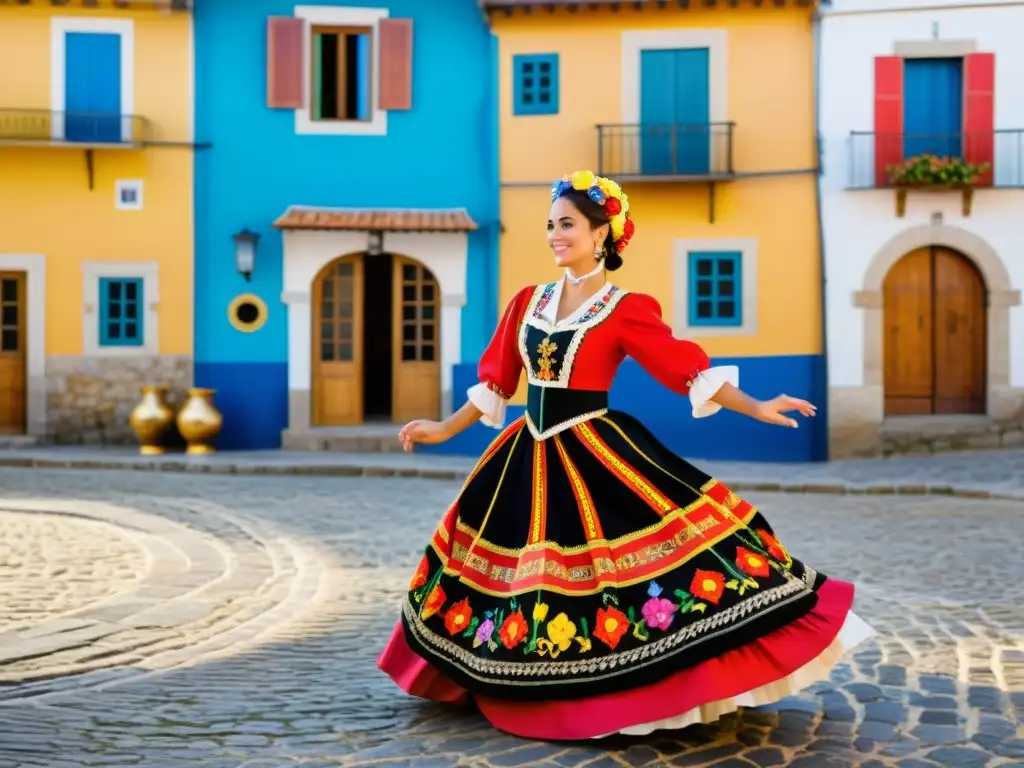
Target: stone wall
[(89, 399)]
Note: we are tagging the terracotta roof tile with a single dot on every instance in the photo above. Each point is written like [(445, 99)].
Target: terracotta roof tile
[(365, 219)]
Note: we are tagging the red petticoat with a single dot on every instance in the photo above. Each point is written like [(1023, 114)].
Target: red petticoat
[(761, 663)]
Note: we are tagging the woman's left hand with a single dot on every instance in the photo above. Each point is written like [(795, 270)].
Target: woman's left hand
[(771, 411)]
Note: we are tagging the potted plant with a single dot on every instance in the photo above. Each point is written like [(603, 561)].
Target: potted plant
[(934, 172)]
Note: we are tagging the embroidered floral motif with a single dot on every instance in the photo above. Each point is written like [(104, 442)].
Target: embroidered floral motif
[(545, 349), (434, 602), (752, 563), (545, 299), (658, 612), (513, 630), (611, 625), (420, 577), (708, 585), (594, 309), (458, 617)]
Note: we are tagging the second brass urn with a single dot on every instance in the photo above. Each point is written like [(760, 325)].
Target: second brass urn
[(151, 418), (199, 421)]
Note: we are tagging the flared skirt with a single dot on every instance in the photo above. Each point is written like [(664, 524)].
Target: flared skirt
[(596, 582)]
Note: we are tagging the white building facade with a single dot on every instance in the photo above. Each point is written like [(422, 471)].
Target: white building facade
[(923, 303)]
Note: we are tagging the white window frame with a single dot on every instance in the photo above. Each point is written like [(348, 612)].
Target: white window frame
[(149, 272), (122, 184), (340, 16), (681, 250), (59, 27)]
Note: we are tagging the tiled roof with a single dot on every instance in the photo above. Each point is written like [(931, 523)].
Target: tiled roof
[(383, 220)]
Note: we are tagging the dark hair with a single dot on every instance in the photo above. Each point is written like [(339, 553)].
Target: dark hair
[(597, 216)]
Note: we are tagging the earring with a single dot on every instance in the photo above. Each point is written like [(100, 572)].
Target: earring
[(598, 252)]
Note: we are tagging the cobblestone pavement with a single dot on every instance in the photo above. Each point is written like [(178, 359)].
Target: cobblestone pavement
[(235, 621)]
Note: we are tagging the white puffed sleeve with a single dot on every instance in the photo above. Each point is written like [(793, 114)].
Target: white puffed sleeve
[(490, 403), (707, 384)]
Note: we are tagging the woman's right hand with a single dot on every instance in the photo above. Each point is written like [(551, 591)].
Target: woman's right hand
[(422, 431)]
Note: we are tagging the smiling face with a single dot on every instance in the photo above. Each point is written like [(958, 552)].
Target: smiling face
[(572, 238)]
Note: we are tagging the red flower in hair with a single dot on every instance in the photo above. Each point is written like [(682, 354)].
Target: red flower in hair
[(612, 206), (628, 229)]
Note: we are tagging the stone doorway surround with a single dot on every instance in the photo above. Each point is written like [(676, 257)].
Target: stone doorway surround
[(858, 426)]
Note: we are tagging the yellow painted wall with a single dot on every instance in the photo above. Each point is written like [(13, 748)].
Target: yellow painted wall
[(769, 97), (46, 206)]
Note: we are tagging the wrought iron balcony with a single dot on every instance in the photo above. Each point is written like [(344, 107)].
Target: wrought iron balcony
[(671, 152), (871, 154), (79, 129)]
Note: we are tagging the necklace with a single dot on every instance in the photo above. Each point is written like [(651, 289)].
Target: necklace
[(578, 281)]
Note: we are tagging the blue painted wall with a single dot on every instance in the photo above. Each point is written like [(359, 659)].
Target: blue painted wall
[(440, 154), (725, 435)]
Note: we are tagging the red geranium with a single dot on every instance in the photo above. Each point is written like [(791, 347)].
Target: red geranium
[(628, 229), (612, 206)]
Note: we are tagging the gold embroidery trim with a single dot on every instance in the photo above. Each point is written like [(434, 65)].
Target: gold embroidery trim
[(639, 485), (540, 496), (586, 504)]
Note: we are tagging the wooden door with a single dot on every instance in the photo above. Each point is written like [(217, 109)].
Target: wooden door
[(909, 370), (961, 356), (338, 344), (416, 348), (12, 353), (935, 335)]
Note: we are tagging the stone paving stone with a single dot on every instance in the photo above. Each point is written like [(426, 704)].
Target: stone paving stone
[(304, 689)]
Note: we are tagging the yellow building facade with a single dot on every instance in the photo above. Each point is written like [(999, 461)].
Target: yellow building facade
[(705, 115), (96, 232)]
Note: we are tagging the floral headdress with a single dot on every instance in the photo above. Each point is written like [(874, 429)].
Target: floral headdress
[(605, 193)]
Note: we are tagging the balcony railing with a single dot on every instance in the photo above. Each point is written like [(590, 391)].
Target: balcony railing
[(870, 154), (671, 152), (84, 129)]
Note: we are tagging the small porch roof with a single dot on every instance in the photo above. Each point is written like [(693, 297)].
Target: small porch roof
[(377, 219)]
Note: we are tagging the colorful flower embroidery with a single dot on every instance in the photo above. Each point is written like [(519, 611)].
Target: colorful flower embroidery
[(420, 577), (708, 585), (561, 632), (483, 633), (513, 630), (544, 300), (773, 545), (752, 563), (458, 617), (434, 602), (610, 626)]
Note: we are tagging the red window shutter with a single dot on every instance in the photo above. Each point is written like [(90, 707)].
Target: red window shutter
[(888, 115), (285, 56), (395, 37), (979, 110)]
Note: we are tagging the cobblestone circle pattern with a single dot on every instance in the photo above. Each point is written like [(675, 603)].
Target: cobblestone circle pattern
[(326, 561), (54, 564)]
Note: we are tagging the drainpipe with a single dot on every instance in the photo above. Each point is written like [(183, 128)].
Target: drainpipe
[(820, 440)]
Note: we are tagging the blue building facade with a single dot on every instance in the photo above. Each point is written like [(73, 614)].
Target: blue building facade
[(346, 216)]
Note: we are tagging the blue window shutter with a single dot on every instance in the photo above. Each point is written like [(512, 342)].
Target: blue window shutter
[(92, 87), (933, 101), (675, 112), (122, 311), (535, 84), (715, 286)]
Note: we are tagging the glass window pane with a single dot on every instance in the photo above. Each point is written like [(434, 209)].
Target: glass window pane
[(9, 340)]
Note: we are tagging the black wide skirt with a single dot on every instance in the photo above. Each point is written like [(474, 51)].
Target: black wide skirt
[(593, 562)]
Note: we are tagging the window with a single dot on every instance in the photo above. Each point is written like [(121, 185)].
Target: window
[(128, 195), (933, 107), (715, 288), (121, 312), (341, 73), (536, 84)]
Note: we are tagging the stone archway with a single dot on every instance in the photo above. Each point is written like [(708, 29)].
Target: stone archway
[(1001, 296)]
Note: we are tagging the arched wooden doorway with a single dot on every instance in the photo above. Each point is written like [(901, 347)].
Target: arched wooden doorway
[(935, 335), (376, 341)]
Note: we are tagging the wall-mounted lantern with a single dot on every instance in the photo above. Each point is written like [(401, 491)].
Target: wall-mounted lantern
[(375, 243), (245, 252)]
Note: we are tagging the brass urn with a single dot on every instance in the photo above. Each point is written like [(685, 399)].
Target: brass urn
[(151, 418), (199, 421)]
